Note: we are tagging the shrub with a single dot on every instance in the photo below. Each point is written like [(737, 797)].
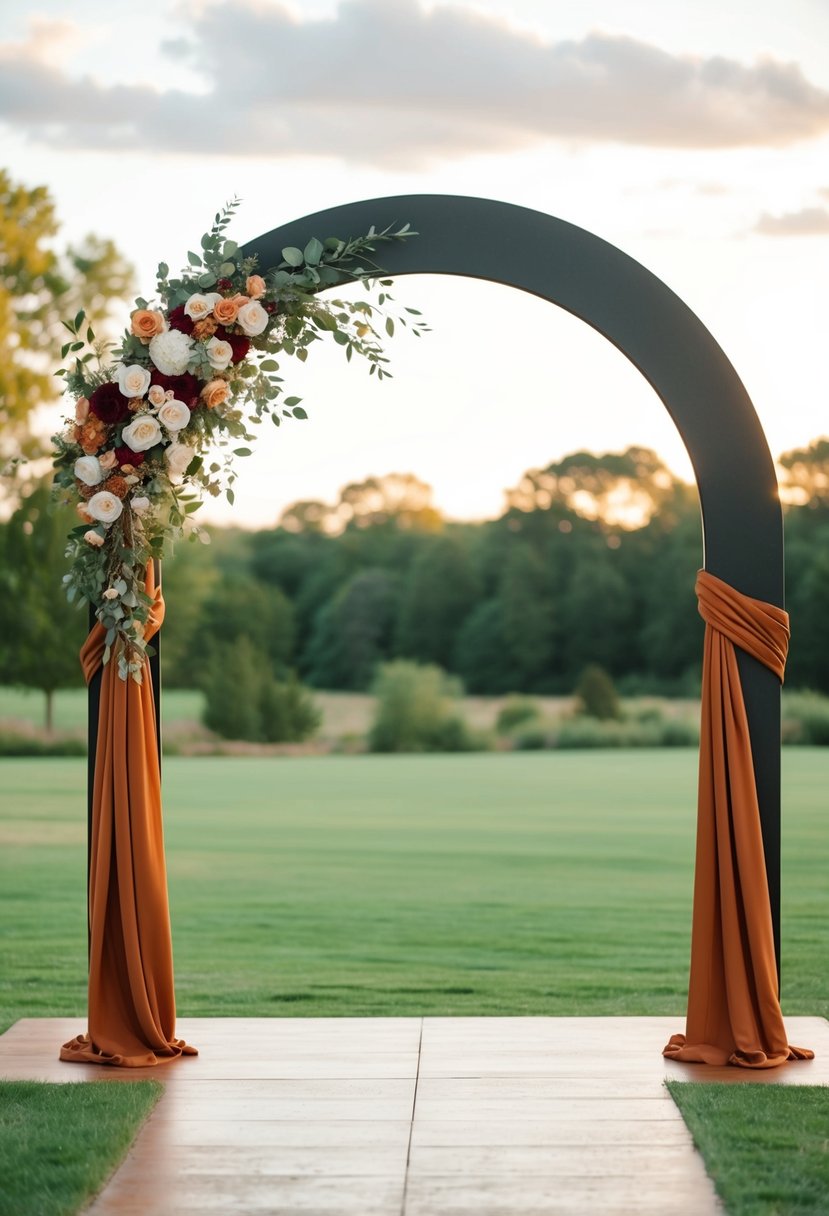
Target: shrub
[(806, 719), (414, 711), (25, 744), (596, 694), (244, 701), (516, 711)]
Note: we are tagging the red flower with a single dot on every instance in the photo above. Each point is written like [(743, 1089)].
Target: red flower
[(128, 456), (186, 387), (109, 404), (224, 284), (179, 320), (240, 345)]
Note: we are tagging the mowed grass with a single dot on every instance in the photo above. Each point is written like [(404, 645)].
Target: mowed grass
[(540, 883), (60, 1143), (764, 1146)]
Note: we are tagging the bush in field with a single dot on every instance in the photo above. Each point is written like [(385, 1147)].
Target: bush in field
[(517, 711), (414, 711), (806, 719), (596, 694), (244, 701)]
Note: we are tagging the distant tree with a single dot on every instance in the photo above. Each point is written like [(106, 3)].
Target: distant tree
[(353, 632), (40, 633), (400, 498), (244, 701), (414, 710), (529, 615), (243, 608), (39, 287), (439, 591), (482, 658), (806, 475), (597, 614)]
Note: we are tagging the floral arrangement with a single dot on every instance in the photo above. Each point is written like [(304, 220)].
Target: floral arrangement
[(193, 372)]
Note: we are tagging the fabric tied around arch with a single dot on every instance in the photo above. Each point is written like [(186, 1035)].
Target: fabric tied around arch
[(132, 1009), (734, 1014)]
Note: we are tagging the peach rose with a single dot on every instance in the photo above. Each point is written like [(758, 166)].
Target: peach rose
[(255, 286), (81, 410), (93, 538), (226, 310), (215, 393), (145, 323), (83, 514), (108, 460)]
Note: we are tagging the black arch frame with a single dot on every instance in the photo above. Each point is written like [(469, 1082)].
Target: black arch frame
[(742, 520)]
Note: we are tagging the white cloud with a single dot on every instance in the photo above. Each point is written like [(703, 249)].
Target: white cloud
[(387, 83), (810, 221)]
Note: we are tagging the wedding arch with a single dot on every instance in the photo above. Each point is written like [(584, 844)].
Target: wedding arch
[(737, 888)]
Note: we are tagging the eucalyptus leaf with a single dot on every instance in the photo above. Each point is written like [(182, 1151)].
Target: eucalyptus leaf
[(292, 256)]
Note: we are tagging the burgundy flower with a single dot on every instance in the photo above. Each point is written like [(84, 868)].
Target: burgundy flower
[(240, 345), (128, 456), (224, 284), (186, 387), (179, 320), (109, 404)]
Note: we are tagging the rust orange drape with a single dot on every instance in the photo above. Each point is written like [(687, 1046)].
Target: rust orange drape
[(132, 1009), (734, 1012)]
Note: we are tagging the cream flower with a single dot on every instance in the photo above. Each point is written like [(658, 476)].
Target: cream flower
[(133, 381), (219, 353), (88, 470), (143, 432), (140, 504), (252, 318), (110, 594), (197, 307), (171, 352), (108, 461), (179, 456), (174, 415), (93, 538), (105, 506), (156, 395)]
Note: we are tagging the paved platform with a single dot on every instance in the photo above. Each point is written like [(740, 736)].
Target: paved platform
[(411, 1117)]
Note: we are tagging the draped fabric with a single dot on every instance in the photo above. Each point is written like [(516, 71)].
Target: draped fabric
[(131, 999), (734, 1012)]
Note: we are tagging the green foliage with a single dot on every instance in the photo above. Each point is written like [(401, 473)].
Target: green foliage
[(764, 1146), (414, 711), (440, 590), (596, 694), (805, 719), (39, 636), (59, 1143), (25, 743), (517, 711), (481, 656), (244, 701), (352, 632)]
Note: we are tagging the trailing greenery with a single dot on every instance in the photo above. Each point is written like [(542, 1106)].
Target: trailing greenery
[(764, 1146), (554, 883), (59, 1143)]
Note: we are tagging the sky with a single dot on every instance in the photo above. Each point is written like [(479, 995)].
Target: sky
[(694, 135)]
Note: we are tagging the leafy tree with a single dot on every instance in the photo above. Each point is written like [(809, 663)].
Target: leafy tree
[(353, 632), (39, 287), (806, 474), (482, 658), (244, 701), (243, 608), (596, 614), (414, 711), (440, 590), (528, 612), (40, 633)]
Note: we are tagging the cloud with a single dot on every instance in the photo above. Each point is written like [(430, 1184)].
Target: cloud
[(811, 221), (384, 82)]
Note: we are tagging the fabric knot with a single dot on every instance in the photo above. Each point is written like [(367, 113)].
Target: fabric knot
[(758, 628)]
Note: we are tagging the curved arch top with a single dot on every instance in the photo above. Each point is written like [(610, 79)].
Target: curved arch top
[(633, 309)]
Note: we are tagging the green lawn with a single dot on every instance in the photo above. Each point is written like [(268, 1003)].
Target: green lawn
[(765, 1146), (60, 1143), (522, 883)]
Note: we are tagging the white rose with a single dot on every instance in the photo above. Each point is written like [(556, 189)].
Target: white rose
[(88, 470), (142, 433), (156, 395), (104, 506), (174, 415), (212, 297), (198, 307), (133, 381), (110, 594), (171, 352), (140, 504), (252, 318), (219, 353), (179, 456), (93, 538)]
